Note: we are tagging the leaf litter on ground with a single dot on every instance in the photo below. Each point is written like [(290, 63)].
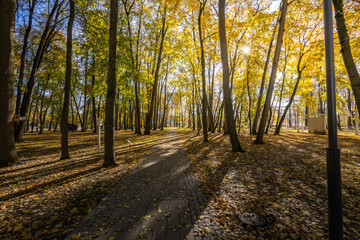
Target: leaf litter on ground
[(283, 180), (45, 198)]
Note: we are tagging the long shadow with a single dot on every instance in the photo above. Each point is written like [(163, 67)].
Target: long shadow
[(56, 150), (157, 199), (75, 163), (48, 184), (69, 165), (274, 174)]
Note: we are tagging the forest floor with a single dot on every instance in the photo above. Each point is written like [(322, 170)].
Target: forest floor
[(46, 198), (283, 180)]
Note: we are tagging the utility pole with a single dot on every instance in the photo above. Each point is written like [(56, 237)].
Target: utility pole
[(333, 152)]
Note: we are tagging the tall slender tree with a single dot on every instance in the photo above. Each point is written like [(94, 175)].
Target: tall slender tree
[(149, 114), (65, 112), (235, 143), (204, 96), (109, 159), (346, 50), (279, 41), (23, 56), (262, 86), (7, 38), (45, 39)]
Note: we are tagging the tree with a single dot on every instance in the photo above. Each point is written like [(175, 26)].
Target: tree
[(67, 88), (236, 147), (8, 154), (259, 137), (261, 91), (109, 159), (346, 50), (23, 56), (150, 113), (204, 96), (46, 37)]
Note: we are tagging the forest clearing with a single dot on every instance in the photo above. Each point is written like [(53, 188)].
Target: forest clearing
[(179, 119)]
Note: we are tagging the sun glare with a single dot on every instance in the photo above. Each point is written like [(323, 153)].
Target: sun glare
[(246, 50)]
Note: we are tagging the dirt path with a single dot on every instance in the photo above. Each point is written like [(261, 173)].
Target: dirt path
[(158, 199)]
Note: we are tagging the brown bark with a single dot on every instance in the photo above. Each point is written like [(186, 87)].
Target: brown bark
[(109, 158), (23, 56), (235, 144), (204, 102), (264, 117), (262, 86), (65, 112), (45, 39), (156, 77), (93, 95), (8, 154), (278, 127), (346, 50)]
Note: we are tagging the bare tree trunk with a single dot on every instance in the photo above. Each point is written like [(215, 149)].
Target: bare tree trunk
[(264, 117), (67, 88), (7, 39), (236, 147), (109, 159)]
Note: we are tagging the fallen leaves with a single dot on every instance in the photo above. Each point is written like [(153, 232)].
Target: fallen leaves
[(45, 198), (283, 180)]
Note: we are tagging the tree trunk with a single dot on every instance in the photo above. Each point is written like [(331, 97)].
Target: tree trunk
[(83, 129), (93, 97), (249, 93), (109, 159), (236, 147), (346, 51), (117, 106), (262, 86), (156, 77), (23, 58), (67, 88), (349, 105), (204, 97), (164, 110), (278, 127), (210, 100), (264, 117), (47, 35), (269, 121), (7, 39)]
